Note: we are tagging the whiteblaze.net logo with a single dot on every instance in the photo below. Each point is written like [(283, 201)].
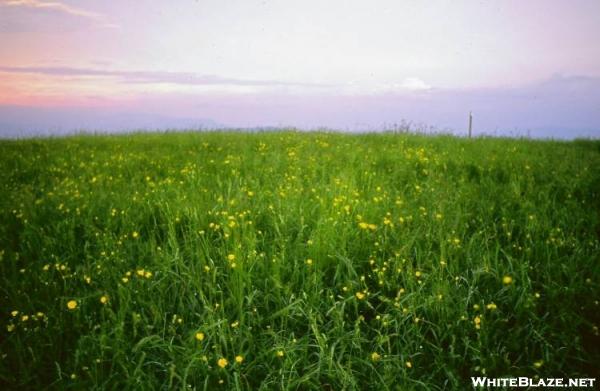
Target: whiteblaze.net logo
[(489, 382)]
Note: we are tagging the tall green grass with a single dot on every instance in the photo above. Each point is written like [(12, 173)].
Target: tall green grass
[(324, 261)]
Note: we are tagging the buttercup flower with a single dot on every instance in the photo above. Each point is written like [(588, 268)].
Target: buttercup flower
[(222, 362)]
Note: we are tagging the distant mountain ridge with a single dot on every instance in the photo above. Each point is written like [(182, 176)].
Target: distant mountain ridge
[(20, 121)]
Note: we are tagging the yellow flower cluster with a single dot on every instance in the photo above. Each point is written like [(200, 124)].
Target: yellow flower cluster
[(367, 226), (140, 273)]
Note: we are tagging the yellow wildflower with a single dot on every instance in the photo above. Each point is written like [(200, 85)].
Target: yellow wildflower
[(200, 336), (222, 362), (71, 304)]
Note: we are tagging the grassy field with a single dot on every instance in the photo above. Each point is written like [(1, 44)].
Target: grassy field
[(288, 260)]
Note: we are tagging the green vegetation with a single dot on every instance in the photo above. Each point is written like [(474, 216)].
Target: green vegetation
[(288, 260)]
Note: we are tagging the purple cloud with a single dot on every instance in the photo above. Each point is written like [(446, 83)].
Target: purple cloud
[(182, 78), (57, 7)]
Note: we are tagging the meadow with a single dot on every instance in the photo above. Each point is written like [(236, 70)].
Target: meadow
[(296, 261)]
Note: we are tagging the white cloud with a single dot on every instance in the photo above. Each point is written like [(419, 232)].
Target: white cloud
[(414, 83), (409, 84)]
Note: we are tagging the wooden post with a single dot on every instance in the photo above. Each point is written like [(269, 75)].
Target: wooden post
[(470, 123)]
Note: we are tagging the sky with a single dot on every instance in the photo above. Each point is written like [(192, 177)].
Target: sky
[(521, 67)]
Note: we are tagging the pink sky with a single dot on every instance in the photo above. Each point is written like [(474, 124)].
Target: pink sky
[(263, 63)]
